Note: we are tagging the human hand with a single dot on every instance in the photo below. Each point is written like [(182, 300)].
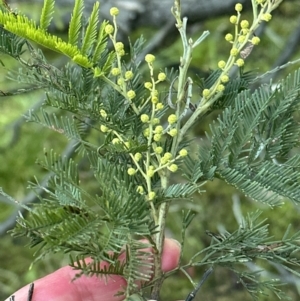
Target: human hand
[(59, 286)]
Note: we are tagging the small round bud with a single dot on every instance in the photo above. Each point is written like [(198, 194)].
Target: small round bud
[(173, 167), (150, 172), (234, 51), (161, 76), (131, 171), (205, 93), (224, 78), (221, 64), (168, 156), (158, 129), (128, 75), (131, 94), (245, 31), (154, 93), (109, 29), (146, 132), (137, 156), (115, 141), (151, 195), (121, 52), (114, 11), (119, 46), (220, 88), (155, 121), (148, 85), (145, 118), (149, 58), (157, 137), (172, 119), (115, 71), (103, 113), (241, 39), (140, 189), (159, 106), (266, 17), (233, 19), (104, 128), (127, 144), (173, 132), (255, 40), (120, 81), (229, 37), (183, 152), (240, 62), (238, 7), (154, 99), (158, 150), (244, 24)]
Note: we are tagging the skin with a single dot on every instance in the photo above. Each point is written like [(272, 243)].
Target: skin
[(58, 286)]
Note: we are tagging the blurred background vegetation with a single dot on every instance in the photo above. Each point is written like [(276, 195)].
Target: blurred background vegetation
[(219, 208)]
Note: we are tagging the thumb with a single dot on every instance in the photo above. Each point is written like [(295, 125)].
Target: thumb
[(59, 286)]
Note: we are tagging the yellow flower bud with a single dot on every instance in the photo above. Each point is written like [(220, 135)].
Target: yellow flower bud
[(157, 137), (116, 141), (173, 167), (244, 24), (241, 39), (240, 62), (154, 99), (128, 74), (115, 71), (149, 58), (224, 78), (119, 46), (183, 152), (173, 132), (255, 40), (131, 94), (266, 17), (168, 156), (150, 172), (234, 51), (127, 144), (158, 150), (148, 85), (151, 195), (220, 88), (114, 11), (155, 121), (137, 156), (146, 132), (229, 37), (172, 119), (131, 171), (221, 64), (103, 113), (140, 189), (158, 129), (159, 106), (104, 128), (205, 93), (144, 118), (109, 29), (161, 76), (233, 19), (238, 7), (120, 81)]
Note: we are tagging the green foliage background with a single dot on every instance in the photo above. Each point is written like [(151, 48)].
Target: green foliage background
[(215, 208)]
